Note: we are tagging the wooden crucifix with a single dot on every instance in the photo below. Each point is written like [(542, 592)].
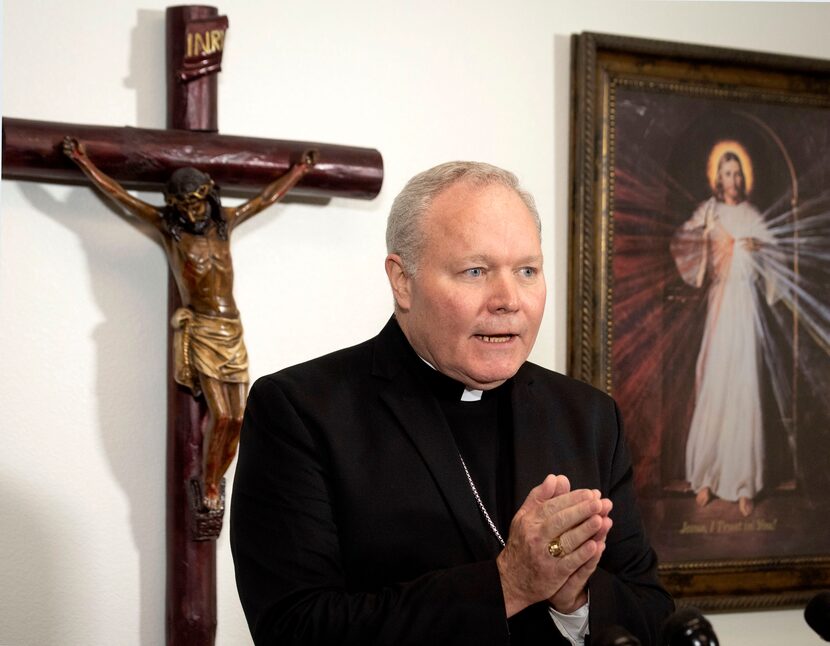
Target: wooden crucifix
[(188, 161)]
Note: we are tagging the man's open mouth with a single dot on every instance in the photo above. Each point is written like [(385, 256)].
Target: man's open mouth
[(495, 338)]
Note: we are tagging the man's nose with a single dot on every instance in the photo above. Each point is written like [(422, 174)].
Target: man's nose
[(504, 293)]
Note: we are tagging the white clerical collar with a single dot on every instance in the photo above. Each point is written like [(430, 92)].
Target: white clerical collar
[(469, 394)]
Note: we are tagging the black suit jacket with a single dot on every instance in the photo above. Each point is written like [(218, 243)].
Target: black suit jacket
[(352, 521)]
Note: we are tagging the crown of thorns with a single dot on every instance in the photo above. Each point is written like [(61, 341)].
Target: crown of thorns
[(189, 182)]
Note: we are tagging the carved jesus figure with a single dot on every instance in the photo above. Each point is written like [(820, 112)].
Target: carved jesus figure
[(210, 354)]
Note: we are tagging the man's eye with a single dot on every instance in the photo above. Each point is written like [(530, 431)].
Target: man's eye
[(528, 272), (474, 272)]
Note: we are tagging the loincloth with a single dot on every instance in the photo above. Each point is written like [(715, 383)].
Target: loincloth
[(208, 345)]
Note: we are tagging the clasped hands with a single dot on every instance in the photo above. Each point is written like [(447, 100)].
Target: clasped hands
[(528, 570)]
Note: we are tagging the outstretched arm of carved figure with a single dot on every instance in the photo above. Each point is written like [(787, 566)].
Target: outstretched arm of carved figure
[(275, 191), (76, 151)]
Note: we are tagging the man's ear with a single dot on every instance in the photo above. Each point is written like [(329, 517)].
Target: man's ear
[(399, 281)]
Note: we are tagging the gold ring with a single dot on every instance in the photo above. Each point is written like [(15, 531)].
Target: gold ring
[(555, 548)]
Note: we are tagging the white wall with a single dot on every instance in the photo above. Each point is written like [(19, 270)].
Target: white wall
[(83, 294)]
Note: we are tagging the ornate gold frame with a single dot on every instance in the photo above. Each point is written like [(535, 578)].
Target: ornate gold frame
[(600, 65)]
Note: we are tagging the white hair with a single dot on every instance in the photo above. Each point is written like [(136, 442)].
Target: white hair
[(404, 233)]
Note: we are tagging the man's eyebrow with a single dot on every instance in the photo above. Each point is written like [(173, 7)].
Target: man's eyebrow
[(535, 259), (474, 258)]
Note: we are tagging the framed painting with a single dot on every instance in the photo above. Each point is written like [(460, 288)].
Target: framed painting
[(699, 273)]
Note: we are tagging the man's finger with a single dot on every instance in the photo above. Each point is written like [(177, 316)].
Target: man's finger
[(569, 596), (567, 500), (602, 534), (551, 487), (574, 537), (568, 564), (559, 517)]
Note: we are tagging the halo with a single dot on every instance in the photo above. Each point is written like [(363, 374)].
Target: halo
[(724, 146)]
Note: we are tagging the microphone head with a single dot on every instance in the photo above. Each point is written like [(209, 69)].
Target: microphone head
[(614, 636), (687, 627), (817, 615)]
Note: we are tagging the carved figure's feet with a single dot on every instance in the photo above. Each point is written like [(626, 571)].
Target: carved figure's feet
[(212, 500), (704, 497), (745, 505), (207, 511)]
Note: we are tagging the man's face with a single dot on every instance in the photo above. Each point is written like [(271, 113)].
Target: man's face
[(474, 307), (732, 181), (193, 206)]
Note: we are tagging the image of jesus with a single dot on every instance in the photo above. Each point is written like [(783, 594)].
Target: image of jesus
[(718, 247)]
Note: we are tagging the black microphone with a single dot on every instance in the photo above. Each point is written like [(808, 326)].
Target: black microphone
[(687, 627), (817, 614), (614, 636)]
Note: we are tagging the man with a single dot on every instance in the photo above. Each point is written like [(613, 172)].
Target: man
[(210, 354), (376, 485)]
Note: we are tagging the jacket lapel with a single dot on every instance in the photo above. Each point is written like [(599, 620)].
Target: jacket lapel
[(419, 416), (534, 424)]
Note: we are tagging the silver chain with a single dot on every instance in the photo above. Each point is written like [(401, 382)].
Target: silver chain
[(480, 503)]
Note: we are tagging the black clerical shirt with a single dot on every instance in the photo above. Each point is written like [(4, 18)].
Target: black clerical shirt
[(483, 433)]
